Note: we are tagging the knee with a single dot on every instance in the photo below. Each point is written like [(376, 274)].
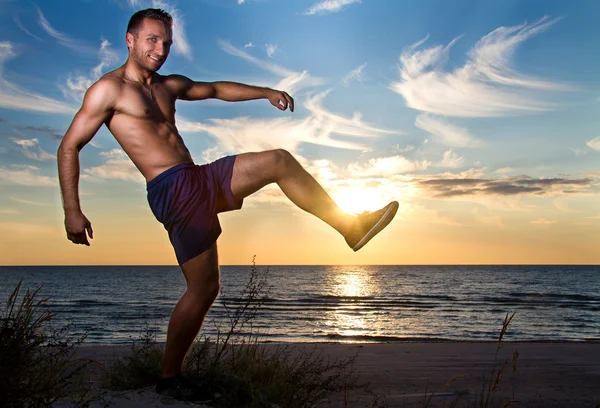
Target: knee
[(206, 293), (283, 160)]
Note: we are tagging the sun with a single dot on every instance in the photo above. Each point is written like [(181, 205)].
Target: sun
[(355, 200)]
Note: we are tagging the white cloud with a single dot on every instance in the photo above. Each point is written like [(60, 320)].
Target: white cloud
[(577, 151), (486, 86), (594, 143), (26, 176), (271, 49), (386, 167), (180, 42), (64, 39), (117, 166), (543, 221), (291, 81), (504, 170), (13, 96), (77, 84), (355, 75), (241, 1), (408, 148), (28, 202), (32, 151), (329, 6), (249, 45), (244, 134), (447, 133), (452, 160), (22, 27), (9, 211)]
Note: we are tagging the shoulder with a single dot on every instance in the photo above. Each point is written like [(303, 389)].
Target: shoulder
[(105, 91), (177, 83)]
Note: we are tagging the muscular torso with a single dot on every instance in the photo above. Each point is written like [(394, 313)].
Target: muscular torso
[(144, 126)]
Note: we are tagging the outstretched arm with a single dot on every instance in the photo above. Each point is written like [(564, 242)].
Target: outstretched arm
[(96, 109), (231, 92)]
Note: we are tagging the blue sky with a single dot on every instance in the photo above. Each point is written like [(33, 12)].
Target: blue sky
[(480, 117)]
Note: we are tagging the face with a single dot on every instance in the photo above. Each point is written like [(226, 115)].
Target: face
[(150, 47)]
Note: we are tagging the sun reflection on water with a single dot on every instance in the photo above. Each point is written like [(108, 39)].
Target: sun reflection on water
[(353, 287)]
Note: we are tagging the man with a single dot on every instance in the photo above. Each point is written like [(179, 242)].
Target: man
[(138, 107)]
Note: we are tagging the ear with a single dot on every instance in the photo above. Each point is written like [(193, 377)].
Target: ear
[(129, 39)]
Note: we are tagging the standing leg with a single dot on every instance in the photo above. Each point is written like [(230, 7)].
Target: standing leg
[(202, 277), (253, 171)]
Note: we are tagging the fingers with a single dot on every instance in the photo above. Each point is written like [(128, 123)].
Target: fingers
[(90, 231), (80, 238), (289, 100), (283, 101)]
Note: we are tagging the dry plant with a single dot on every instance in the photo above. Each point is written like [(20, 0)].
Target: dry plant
[(242, 369), (38, 364)]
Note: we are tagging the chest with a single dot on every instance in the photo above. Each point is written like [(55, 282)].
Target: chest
[(137, 101)]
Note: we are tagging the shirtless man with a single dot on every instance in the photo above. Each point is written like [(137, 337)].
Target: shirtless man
[(138, 107)]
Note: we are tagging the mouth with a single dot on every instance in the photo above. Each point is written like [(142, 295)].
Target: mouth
[(157, 59)]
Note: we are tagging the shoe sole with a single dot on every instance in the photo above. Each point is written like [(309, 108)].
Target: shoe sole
[(387, 217)]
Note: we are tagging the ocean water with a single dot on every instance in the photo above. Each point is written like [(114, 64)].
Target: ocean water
[(114, 304)]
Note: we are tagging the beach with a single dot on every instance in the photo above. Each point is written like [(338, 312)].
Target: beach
[(557, 374)]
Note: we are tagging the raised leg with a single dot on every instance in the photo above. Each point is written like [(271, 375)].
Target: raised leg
[(202, 277), (253, 171)]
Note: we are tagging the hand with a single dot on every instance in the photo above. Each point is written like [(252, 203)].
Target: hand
[(281, 100), (76, 225)]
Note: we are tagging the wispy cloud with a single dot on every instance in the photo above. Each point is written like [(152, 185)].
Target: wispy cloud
[(31, 150), (291, 81), (28, 202), (54, 133), (543, 222), (249, 45), (594, 143), (26, 176), (518, 185), (9, 211), (446, 133), (25, 30), (13, 96), (116, 166), (271, 49), (329, 6), (452, 160), (180, 42), (76, 45), (77, 84), (246, 134), (355, 75), (386, 167), (486, 86)]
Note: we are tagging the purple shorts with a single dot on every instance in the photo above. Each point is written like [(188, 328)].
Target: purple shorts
[(187, 198)]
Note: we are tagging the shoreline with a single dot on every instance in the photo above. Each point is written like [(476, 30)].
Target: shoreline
[(558, 374)]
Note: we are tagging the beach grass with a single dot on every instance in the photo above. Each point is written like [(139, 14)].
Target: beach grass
[(238, 367), (39, 367), (37, 359)]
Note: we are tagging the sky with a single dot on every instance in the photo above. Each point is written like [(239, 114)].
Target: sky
[(481, 118)]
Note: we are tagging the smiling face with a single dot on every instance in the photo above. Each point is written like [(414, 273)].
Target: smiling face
[(149, 46)]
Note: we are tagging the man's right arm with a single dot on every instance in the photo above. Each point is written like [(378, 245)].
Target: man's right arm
[(98, 105)]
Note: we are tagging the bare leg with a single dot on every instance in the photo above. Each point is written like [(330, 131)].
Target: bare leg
[(253, 171), (202, 276)]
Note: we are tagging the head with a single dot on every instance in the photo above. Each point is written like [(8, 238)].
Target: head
[(149, 37)]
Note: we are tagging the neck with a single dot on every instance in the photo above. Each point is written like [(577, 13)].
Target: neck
[(135, 73)]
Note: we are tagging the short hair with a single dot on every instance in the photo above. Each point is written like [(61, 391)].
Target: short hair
[(136, 20)]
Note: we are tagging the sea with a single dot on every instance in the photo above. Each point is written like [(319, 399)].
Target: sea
[(109, 305)]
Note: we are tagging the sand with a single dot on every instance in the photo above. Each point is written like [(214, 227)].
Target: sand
[(547, 375)]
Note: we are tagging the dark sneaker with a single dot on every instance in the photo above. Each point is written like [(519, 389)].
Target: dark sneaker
[(369, 224), (183, 389)]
